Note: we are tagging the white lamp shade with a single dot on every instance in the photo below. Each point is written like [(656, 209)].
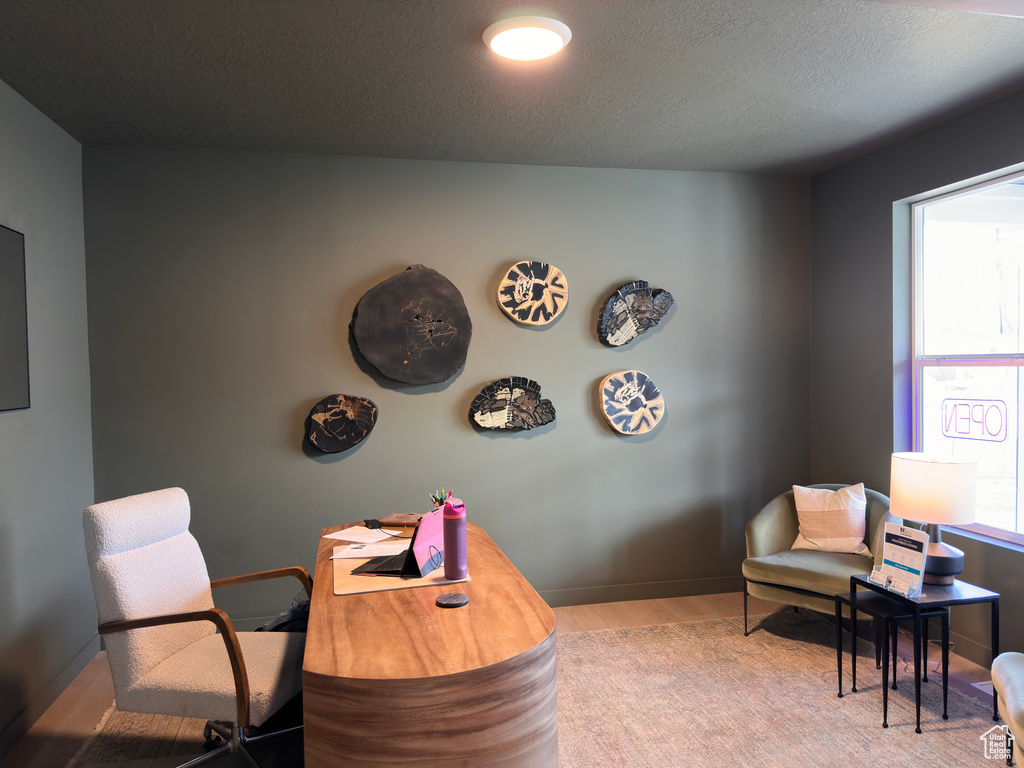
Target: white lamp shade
[(931, 491), (527, 37)]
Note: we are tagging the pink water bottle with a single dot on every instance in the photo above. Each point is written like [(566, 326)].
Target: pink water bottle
[(454, 539)]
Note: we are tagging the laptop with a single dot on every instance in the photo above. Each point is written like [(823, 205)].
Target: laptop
[(425, 552)]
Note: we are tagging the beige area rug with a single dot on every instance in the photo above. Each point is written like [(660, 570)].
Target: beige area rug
[(131, 739), (701, 694), (689, 694), (134, 740)]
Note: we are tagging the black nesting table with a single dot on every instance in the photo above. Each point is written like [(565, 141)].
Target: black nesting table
[(887, 613), (937, 596)]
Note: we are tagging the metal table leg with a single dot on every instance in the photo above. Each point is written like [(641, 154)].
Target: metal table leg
[(924, 650), (889, 626), (839, 644), (945, 665), (895, 654), (995, 652), (853, 652), (917, 665)]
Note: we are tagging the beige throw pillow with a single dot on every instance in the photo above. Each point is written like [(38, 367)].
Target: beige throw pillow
[(831, 521)]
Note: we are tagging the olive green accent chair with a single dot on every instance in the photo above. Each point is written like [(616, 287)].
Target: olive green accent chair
[(805, 578), (1008, 682)]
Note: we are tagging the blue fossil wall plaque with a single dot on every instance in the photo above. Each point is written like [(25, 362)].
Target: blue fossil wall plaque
[(630, 311), (631, 402), (511, 403)]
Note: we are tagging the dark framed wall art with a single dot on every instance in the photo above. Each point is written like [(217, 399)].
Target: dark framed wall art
[(14, 389)]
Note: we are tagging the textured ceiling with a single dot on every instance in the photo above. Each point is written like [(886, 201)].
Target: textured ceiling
[(784, 86)]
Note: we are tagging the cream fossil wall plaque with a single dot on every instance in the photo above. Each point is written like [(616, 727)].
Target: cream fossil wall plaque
[(414, 327), (511, 403), (632, 310), (533, 293), (631, 402)]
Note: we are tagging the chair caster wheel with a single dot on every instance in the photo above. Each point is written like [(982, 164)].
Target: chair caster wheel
[(213, 739)]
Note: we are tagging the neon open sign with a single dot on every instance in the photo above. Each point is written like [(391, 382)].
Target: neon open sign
[(974, 419)]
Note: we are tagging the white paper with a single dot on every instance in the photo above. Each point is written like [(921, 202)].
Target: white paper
[(362, 535), (353, 551)]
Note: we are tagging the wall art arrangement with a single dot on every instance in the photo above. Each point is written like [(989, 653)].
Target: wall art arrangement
[(511, 403), (632, 310), (339, 422), (631, 402), (533, 293), (414, 327)]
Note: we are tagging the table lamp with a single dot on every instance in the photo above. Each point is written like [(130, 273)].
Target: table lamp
[(936, 493)]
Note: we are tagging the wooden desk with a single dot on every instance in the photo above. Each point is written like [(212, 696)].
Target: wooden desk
[(391, 679)]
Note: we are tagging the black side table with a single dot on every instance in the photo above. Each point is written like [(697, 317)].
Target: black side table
[(889, 612), (938, 596)]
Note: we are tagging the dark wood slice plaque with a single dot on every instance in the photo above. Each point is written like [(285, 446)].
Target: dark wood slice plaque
[(414, 327), (338, 422)]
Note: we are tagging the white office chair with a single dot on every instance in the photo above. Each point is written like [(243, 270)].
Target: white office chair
[(159, 624)]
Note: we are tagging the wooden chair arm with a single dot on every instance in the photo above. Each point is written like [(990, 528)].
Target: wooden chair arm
[(297, 571), (227, 631)]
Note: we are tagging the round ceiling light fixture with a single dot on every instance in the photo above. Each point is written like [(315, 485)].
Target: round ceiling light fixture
[(527, 37)]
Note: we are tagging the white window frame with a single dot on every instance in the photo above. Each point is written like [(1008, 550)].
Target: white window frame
[(921, 361)]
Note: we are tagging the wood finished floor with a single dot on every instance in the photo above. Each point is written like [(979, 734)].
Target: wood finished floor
[(60, 732)]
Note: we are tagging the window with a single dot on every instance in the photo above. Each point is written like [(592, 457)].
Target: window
[(968, 342)]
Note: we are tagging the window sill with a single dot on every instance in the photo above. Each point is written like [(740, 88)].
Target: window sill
[(986, 538)]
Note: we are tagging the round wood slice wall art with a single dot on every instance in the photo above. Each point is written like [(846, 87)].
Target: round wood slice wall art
[(630, 311), (631, 402), (533, 293), (414, 327), (511, 403), (338, 422)]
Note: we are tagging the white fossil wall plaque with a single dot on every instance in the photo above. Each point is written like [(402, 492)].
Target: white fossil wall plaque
[(533, 293), (631, 402)]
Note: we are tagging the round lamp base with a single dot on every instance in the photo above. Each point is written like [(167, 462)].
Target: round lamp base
[(943, 564)]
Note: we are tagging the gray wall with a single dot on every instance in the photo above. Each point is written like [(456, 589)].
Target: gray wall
[(221, 285), (47, 614), (861, 323)]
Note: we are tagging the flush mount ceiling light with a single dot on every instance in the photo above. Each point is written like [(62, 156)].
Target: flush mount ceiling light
[(527, 37)]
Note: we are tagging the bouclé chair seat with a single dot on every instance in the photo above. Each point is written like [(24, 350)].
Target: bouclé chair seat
[(1008, 682), (197, 681)]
